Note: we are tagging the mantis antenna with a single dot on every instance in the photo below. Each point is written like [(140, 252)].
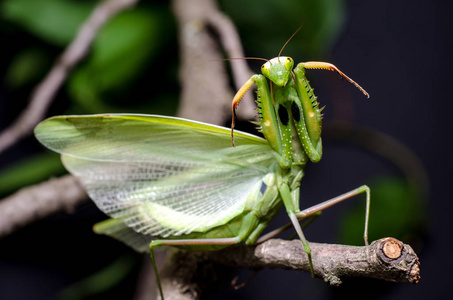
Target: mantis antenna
[(290, 38)]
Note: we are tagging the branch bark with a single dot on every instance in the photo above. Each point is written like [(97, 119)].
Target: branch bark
[(36, 202), (206, 94), (385, 259)]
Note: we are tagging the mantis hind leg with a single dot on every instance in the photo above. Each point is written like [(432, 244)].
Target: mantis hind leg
[(326, 204), (294, 216)]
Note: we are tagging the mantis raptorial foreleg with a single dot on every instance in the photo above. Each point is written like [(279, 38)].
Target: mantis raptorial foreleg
[(271, 127)]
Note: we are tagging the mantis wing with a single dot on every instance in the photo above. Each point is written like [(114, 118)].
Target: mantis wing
[(160, 176)]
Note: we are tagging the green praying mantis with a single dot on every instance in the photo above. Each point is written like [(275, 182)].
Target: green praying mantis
[(168, 181)]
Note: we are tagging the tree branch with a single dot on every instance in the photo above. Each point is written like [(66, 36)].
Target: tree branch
[(44, 93), (385, 259), (204, 82), (36, 202), (231, 42), (206, 95)]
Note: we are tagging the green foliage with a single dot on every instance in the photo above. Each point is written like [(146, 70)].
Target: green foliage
[(120, 54), (102, 281), (265, 25), (26, 67), (55, 21), (29, 171)]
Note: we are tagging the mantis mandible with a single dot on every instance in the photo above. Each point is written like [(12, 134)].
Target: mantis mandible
[(176, 182)]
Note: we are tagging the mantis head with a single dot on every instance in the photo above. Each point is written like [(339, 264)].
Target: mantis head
[(278, 70)]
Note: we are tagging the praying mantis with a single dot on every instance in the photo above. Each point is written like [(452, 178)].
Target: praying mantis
[(168, 181)]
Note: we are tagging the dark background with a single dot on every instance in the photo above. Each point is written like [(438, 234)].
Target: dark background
[(399, 51)]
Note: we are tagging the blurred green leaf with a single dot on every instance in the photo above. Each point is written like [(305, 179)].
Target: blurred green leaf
[(105, 279), (396, 211), (55, 21), (265, 26), (121, 53), (29, 171), (26, 67)]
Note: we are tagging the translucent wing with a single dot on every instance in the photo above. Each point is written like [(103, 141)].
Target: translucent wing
[(160, 176)]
